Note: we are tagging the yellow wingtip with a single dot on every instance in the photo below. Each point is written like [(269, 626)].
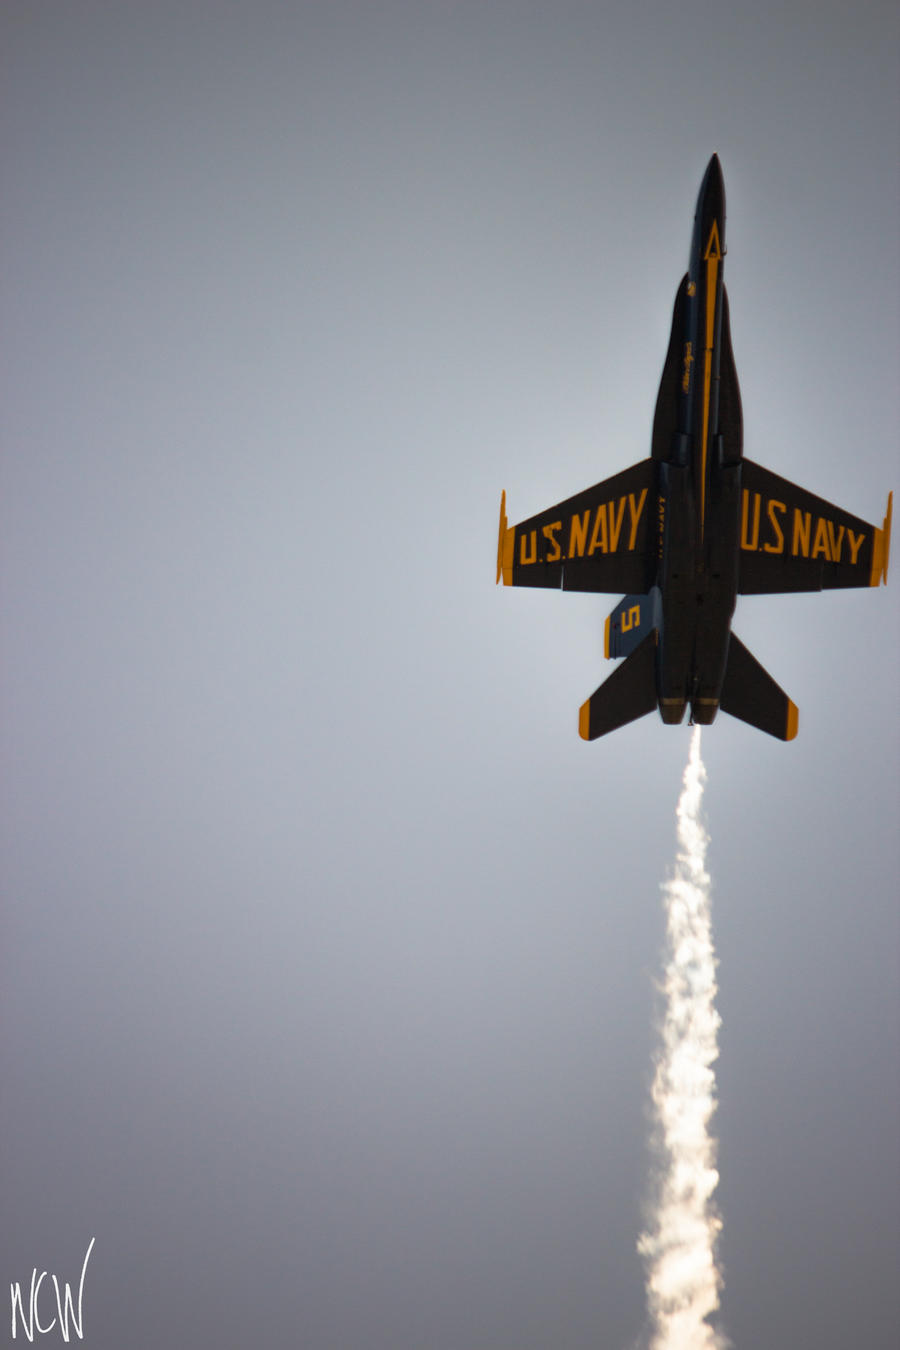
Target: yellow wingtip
[(881, 547), (584, 721), (606, 636), (500, 536), (793, 720), (506, 544)]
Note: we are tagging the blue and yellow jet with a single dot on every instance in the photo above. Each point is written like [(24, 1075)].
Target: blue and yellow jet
[(691, 528)]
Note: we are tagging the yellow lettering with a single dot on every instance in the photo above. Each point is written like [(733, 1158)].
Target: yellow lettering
[(636, 510), (820, 542), (688, 358), (549, 532), (855, 541), (748, 541), (836, 542), (529, 555), (615, 524), (802, 525), (777, 545), (578, 534), (598, 538)]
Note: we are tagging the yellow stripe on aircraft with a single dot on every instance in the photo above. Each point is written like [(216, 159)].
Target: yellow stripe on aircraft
[(712, 258)]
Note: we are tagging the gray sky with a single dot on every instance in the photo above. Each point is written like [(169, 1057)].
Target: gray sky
[(328, 947)]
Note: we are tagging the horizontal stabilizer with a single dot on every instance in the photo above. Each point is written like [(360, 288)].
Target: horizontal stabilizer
[(629, 693), (750, 693)]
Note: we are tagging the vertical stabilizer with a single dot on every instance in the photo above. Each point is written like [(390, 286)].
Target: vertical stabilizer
[(630, 622)]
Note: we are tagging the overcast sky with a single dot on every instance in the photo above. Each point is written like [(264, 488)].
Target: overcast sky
[(329, 949)]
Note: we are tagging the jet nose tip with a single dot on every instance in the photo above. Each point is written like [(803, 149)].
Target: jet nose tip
[(713, 175), (711, 198)]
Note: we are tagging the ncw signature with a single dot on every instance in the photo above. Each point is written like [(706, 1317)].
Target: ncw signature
[(65, 1305)]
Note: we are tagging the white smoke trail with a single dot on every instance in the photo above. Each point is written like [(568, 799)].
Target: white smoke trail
[(683, 1281)]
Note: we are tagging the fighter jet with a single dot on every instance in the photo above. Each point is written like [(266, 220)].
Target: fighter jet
[(691, 528)]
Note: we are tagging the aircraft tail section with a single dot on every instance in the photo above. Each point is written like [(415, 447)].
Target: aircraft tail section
[(629, 693), (630, 622), (750, 693)]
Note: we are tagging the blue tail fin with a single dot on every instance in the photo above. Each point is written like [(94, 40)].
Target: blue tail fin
[(630, 622)]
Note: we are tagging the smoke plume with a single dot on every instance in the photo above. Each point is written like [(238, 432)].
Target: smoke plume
[(679, 1245)]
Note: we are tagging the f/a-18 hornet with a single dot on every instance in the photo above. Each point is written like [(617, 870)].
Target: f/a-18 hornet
[(691, 528)]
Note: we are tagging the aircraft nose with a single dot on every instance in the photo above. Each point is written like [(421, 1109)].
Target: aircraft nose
[(711, 198)]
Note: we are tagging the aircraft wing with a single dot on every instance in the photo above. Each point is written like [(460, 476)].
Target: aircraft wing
[(602, 539), (793, 541)]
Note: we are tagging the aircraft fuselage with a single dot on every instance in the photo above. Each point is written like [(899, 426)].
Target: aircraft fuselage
[(697, 441)]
